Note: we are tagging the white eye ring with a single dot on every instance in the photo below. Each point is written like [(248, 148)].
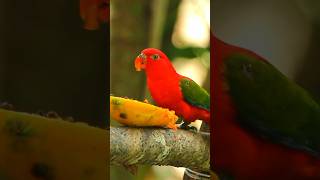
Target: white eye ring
[(155, 57)]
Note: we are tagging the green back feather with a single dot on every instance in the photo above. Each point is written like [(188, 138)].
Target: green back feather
[(271, 105), (194, 94)]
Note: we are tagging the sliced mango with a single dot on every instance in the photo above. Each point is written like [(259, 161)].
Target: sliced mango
[(135, 113)]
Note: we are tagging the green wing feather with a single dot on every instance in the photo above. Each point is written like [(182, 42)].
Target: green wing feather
[(271, 105), (194, 94)]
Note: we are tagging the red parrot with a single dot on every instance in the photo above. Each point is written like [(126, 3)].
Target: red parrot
[(265, 126), (172, 90)]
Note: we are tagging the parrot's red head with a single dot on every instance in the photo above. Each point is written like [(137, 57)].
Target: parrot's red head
[(149, 58)]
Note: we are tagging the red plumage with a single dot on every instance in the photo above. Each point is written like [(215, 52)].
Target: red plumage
[(163, 84)]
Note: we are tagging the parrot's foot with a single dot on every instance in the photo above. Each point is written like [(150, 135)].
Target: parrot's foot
[(146, 101), (179, 121), (186, 126)]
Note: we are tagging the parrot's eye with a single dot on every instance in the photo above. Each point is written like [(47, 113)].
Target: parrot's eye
[(155, 56)]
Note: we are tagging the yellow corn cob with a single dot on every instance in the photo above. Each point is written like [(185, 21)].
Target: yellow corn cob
[(135, 113), (35, 147)]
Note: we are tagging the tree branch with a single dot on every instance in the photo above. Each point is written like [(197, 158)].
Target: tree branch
[(157, 146)]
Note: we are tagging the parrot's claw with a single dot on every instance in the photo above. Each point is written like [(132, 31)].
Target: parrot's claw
[(186, 126), (146, 101), (179, 121), (192, 128)]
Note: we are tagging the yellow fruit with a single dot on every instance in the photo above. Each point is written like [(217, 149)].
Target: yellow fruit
[(135, 113), (35, 147)]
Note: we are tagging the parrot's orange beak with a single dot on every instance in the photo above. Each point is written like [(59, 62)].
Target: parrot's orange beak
[(140, 63)]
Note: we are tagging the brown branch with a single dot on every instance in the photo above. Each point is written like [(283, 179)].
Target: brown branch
[(157, 146)]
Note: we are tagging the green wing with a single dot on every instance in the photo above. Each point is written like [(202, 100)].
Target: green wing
[(194, 94), (271, 105)]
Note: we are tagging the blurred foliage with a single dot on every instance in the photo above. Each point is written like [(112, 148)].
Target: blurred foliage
[(308, 72), (167, 45), (129, 34), (49, 62), (171, 50)]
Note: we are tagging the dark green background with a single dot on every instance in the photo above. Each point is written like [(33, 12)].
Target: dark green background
[(49, 62)]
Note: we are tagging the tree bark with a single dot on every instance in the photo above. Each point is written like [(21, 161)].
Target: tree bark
[(156, 146)]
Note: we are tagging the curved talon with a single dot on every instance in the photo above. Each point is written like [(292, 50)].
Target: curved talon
[(179, 121), (186, 126), (192, 128)]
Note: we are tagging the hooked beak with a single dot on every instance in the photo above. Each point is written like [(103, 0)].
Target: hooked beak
[(140, 63)]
